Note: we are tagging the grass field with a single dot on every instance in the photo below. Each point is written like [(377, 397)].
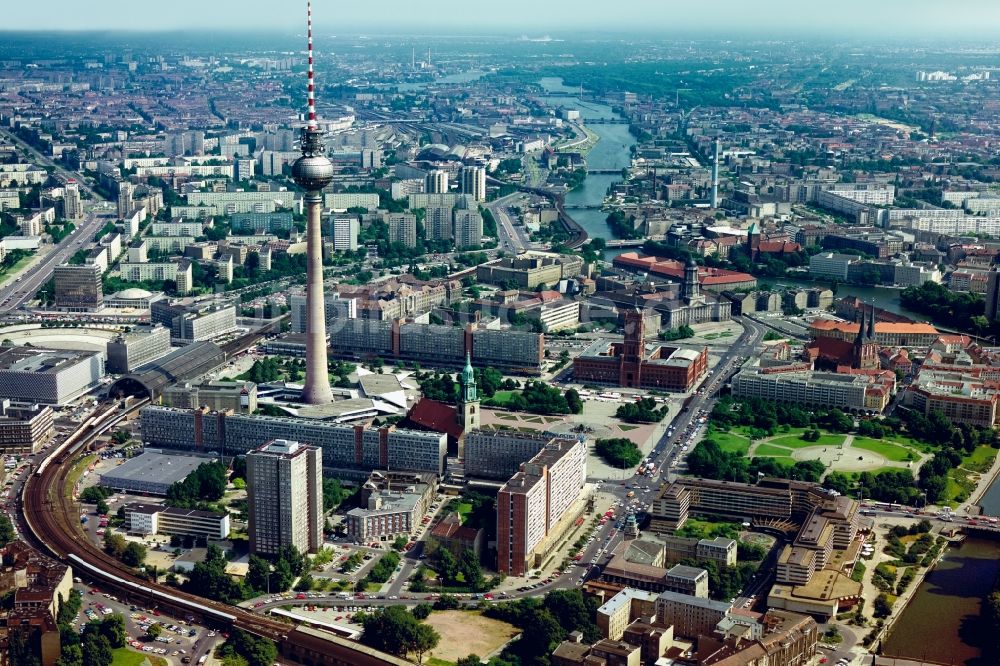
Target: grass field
[(730, 442), (796, 441), (77, 471), (7, 273), (464, 633), (980, 460), (887, 450), (771, 450), (127, 657)]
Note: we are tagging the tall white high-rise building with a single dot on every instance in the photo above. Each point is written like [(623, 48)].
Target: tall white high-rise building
[(126, 191), (285, 497), (468, 228), (474, 182), (73, 204), (345, 233), (436, 182)]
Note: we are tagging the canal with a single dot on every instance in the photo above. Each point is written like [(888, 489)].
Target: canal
[(943, 622)]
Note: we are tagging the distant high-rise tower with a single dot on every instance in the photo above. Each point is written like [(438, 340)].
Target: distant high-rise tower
[(73, 205), (126, 191), (715, 177), (312, 172), (436, 182), (474, 182)]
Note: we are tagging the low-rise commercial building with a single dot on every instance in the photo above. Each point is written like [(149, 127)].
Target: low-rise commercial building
[(690, 616), (217, 396), (156, 519), (849, 392)]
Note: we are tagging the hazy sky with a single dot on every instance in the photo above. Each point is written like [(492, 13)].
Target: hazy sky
[(839, 17)]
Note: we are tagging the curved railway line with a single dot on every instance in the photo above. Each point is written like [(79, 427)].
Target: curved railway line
[(51, 523)]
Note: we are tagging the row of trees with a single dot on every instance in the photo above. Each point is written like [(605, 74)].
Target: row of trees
[(540, 398), (545, 623), (206, 483), (131, 553), (265, 576), (643, 410), (962, 310)]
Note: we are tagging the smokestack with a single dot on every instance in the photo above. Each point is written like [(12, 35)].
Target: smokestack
[(715, 177), (312, 172)]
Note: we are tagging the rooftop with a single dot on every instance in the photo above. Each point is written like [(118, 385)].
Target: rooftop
[(156, 467)]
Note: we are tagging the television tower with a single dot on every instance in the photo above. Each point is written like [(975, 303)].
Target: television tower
[(715, 177), (312, 172)]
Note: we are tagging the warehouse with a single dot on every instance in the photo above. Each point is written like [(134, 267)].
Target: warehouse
[(151, 473)]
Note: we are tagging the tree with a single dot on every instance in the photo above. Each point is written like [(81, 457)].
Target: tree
[(134, 554), (6, 530), (296, 560), (96, 650), (333, 494), (422, 611), (255, 650), (574, 401), (399, 543), (618, 452), (154, 631), (114, 544), (258, 570), (471, 660), (424, 639)]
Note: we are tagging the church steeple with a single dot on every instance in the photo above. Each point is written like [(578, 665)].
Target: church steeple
[(468, 399), (468, 381)]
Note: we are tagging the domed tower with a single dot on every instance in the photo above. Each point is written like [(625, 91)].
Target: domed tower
[(312, 172), (468, 400), (691, 289)]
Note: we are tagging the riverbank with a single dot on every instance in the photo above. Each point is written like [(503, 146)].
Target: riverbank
[(937, 621)]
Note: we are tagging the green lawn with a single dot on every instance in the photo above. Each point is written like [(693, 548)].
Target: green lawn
[(464, 509), (796, 441), (958, 488), (127, 657), (704, 528), (770, 450), (730, 442), (888, 450), (10, 272), (980, 460), (501, 398)]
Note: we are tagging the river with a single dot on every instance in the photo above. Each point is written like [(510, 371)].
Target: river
[(942, 622), (612, 151)]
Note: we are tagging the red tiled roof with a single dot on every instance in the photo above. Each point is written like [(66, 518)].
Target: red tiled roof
[(436, 417), (674, 268), (776, 247)]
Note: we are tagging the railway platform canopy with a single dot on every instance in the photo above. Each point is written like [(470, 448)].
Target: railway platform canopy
[(182, 364)]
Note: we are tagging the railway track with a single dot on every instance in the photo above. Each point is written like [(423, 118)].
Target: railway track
[(50, 516), (51, 523)]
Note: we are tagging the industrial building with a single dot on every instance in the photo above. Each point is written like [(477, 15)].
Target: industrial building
[(151, 473)]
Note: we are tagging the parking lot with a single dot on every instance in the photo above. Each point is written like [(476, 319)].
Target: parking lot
[(180, 641)]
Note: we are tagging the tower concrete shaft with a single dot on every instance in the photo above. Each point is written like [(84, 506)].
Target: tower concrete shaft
[(715, 177), (317, 385)]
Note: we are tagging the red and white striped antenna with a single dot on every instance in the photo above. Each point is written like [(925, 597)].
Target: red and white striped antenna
[(312, 90)]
